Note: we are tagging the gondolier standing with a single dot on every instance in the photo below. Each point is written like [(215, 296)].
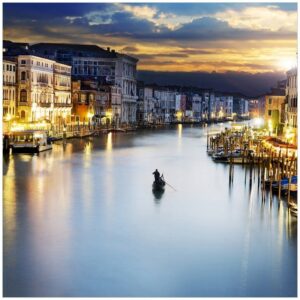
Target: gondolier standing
[(156, 176)]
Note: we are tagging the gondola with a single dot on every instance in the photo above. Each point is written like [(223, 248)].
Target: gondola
[(159, 186)]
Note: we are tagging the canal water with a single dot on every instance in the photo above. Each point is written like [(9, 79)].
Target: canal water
[(82, 220)]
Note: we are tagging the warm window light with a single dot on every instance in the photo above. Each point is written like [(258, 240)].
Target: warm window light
[(8, 117)]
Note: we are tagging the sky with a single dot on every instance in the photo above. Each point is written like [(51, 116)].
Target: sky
[(198, 37)]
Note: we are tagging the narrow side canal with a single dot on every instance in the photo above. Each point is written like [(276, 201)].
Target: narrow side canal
[(81, 220)]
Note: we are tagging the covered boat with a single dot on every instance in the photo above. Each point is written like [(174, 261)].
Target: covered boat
[(30, 141)]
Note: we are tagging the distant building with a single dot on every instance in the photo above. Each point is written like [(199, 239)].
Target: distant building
[(146, 107), (291, 106), (240, 107), (226, 107), (253, 108), (196, 107), (9, 89), (165, 104), (180, 106)]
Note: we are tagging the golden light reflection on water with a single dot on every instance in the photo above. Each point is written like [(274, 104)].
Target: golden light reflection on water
[(109, 181), (109, 143), (9, 205), (179, 130)]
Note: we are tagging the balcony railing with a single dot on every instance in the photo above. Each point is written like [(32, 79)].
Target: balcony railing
[(292, 110), (9, 83), (6, 102), (62, 104), (43, 104)]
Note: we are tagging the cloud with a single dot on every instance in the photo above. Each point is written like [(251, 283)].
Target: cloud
[(270, 18), (189, 35)]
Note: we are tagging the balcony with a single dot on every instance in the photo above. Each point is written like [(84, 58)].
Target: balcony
[(43, 104), (42, 84), (292, 110), (62, 104), (6, 102), (9, 83)]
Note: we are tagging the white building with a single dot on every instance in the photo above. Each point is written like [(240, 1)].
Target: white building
[(227, 106), (196, 107), (62, 94), (39, 81), (125, 77), (9, 89), (166, 101), (291, 106)]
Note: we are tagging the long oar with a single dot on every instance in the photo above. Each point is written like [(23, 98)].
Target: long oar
[(169, 184)]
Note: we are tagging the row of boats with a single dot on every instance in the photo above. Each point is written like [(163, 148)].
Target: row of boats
[(236, 156), (284, 185)]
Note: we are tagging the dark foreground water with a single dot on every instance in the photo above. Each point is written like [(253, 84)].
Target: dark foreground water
[(81, 220)]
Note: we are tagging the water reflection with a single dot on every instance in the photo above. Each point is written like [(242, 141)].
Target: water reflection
[(81, 221)]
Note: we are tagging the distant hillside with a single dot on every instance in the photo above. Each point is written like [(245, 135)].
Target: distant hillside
[(241, 82)]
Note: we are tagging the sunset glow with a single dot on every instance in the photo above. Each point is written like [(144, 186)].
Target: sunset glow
[(248, 37)]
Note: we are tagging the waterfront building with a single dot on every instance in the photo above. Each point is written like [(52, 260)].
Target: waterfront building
[(253, 108), (35, 88), (291, 107), (146, 105), (227, 107), (205, 105), (212, 106), (62, 94), (126, 78), (115, 105), (165, 104), (271, 106), (240, 106), (180, 106), (106, 66), (84, 96), (9, 89)]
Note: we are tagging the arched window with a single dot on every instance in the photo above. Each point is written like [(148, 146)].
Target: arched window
[(23, 96), (23, 75), (23, 114)]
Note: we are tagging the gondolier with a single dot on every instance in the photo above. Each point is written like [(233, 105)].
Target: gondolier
[(159, 182), (156, 176)]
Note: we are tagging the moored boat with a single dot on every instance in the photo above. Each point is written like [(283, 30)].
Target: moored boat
[(30, 141)]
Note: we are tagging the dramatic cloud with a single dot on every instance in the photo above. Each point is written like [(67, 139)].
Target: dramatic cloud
[(252, 37)]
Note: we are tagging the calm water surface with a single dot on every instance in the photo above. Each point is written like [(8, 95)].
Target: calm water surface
[(81, 220)]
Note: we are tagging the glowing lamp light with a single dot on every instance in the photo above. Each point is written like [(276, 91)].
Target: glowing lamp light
[(258, 122), (89, 115), (8, 117), (108, 114), (179, 115)]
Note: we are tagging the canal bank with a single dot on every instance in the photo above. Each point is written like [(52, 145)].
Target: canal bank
[(82, 220)]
